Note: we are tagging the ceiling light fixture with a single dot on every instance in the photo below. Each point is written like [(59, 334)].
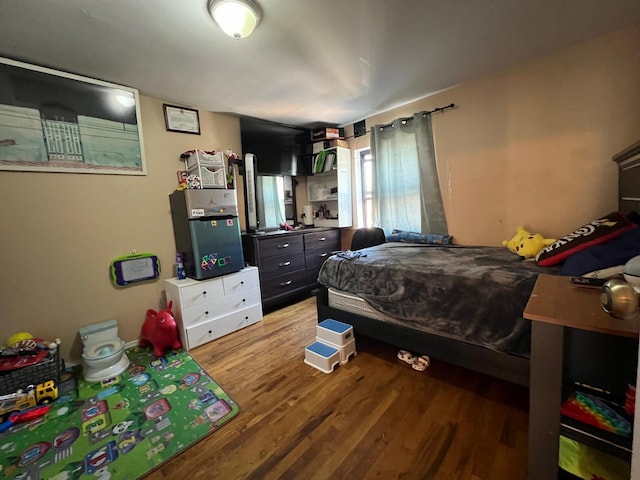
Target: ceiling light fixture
[(236, 18)]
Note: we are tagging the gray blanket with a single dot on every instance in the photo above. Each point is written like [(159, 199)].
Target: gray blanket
[(473, 294)]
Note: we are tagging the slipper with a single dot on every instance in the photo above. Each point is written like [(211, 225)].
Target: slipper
[(406, 356), (421, 363)]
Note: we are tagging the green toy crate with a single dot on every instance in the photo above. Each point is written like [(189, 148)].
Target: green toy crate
[(49, 368)]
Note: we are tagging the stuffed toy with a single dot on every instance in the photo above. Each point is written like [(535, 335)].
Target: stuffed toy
[(526, 244)]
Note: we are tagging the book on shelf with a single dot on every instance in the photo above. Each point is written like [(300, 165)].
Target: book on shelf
[(319, 160), (329, 161)]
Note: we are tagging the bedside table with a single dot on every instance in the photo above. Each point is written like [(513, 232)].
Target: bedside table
[(560, 311)]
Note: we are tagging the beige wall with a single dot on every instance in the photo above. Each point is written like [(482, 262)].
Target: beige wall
[(532, 145), (60, 232)]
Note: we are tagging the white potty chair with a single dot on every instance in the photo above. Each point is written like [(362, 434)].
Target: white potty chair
[(103, 354)]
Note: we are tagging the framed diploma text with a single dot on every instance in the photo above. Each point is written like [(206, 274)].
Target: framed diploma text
[(181, 119)]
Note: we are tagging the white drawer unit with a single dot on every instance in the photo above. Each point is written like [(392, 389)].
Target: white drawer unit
[(208, 309), (218, 327)]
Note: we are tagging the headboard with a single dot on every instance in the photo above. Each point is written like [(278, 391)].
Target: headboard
[(628, 162)]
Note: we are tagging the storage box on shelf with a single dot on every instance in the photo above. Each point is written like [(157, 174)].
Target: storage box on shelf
[(325, 144), (331, 189), (326, 133), (200, 158), (209, 168), (210, 177)]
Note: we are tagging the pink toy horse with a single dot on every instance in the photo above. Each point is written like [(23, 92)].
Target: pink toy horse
[(159, 330)]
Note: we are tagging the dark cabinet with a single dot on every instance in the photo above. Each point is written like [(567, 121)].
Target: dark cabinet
[(289, 262)]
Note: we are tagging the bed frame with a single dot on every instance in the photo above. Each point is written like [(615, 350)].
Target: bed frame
[(500, 365)]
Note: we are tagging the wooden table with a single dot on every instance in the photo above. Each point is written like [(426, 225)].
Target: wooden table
[(554, 305)]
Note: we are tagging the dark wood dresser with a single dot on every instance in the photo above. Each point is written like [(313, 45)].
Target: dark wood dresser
[(289, 262)]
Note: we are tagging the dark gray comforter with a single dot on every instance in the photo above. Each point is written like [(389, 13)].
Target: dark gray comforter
[(473, 294)]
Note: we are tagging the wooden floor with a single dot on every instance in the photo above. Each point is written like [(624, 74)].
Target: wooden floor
[(374, 417)]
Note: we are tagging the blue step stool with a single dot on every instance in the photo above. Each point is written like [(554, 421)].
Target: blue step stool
[(346, 351), (334, 332), (322, 356)]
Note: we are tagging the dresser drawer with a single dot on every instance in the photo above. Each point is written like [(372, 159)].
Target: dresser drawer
[(328, 240), (282, 244), (281, 264), (201, 292), (284, 283), (220, 307), (240, 281), (315, 258), (218, 327)]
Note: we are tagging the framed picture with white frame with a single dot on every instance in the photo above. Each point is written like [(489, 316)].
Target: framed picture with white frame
[(53, 121)]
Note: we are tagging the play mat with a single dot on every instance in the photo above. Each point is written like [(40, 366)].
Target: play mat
[(121, 428)]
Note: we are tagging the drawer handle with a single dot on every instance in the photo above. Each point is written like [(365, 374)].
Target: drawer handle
[(322, 239), (207, 312), (241, 283), (244, 300), (204, 293), (210, 332), (284, 264), (284, 284), (284, 245), (323, 255)]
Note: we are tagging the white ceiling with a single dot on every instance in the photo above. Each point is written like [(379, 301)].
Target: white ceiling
[(329, 61)]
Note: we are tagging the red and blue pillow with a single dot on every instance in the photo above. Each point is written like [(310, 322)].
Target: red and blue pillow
[(593, 233)]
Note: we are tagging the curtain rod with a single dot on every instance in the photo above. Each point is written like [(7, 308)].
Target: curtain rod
[(438, 109), (423, 113)]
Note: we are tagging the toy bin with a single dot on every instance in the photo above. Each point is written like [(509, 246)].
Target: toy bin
[(49, 368), (334, 332), (322, 356)]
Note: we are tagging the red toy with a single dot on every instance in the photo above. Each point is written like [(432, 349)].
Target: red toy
[(159, 330)]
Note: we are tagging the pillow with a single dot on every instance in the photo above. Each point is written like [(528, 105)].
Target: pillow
[(415, 237), (594, 233), (613, 253)]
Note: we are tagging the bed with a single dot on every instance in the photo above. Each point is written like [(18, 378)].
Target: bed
[(459, 304)]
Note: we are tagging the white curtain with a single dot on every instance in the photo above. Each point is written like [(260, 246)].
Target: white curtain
[(407, 190)]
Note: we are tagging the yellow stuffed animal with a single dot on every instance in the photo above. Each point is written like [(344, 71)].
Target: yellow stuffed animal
[(526, 244)]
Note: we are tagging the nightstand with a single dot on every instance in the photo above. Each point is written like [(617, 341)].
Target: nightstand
[(569, 331)]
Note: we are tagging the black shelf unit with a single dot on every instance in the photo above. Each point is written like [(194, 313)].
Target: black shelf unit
[(601, 366), (606, 441)]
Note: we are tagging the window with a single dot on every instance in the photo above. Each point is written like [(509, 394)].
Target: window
[(364, 188)]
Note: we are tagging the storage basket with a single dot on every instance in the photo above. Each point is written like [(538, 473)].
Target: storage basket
[(210, 177), (49, 368), (200, 158)]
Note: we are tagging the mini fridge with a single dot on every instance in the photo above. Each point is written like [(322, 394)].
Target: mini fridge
[(207, 231)]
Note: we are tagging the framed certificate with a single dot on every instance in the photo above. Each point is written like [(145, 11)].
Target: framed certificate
[(181, 119)]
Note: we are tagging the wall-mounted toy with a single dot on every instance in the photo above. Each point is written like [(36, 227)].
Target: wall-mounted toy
[(159, 330), (137, 267)]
